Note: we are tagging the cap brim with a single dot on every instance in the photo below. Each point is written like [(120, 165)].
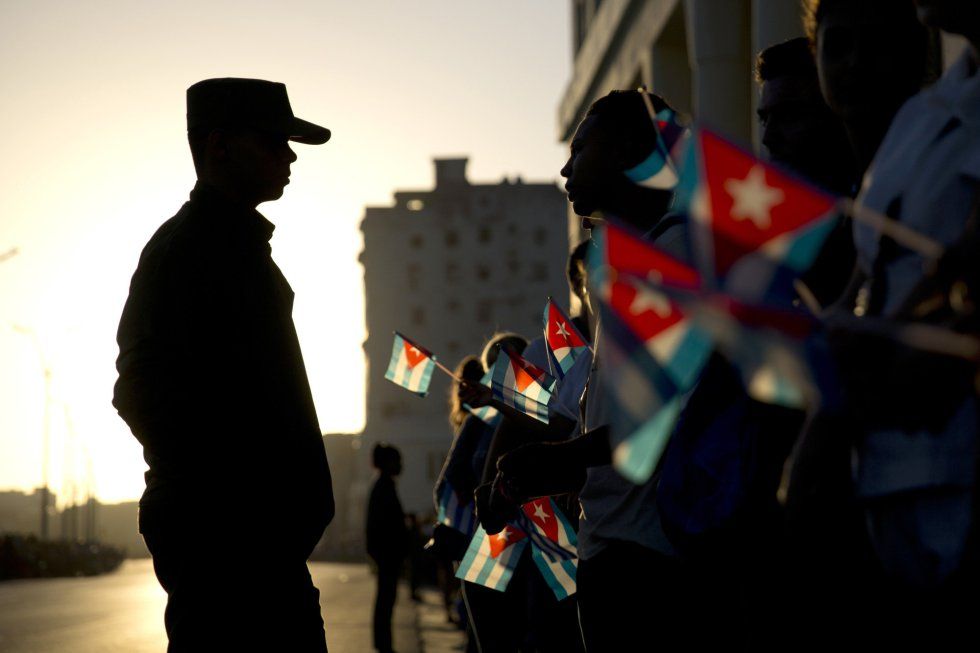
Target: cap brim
[(308, 133)]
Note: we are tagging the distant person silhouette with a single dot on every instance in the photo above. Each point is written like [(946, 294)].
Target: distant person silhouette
[(212, 383), (387, 539)]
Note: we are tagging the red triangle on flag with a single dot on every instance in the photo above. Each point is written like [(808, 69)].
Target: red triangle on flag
[(521, 377), (543, 515), (561, 331), (646, 311), (752, 202), (499, 542), (629, 254), (413, 354)]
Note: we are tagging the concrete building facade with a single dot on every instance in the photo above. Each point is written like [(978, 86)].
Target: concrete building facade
[(698, 54), (448, 268)]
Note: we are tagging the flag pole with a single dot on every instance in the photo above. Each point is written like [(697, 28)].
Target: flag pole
[(893, 229), (446, 369)]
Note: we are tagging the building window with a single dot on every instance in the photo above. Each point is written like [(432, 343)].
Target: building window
[(453, 306), (452, 239), (540, 236), (539, 271), (453, 348), (484, 234), (452, 272), (414, 276), (483, 272), (415, 205), (418, 316), (415, 242), (484, 311)]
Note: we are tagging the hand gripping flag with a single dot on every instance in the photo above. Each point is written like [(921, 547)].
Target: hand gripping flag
[(652, 352), (754, 228), (410, 366), (565, 343), (554, 545), (487, 414), (659, 169), (521, 385), (455, 511), (490, 560)]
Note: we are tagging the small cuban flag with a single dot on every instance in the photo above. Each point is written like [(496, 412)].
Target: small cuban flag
[(410, 366), (521, 385), (659, 169), (491, 560), (455, 511), (754, 228), (565, 342), (554, 545), (486, 414)]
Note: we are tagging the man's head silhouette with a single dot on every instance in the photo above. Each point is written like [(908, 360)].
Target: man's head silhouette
[(798, 128), (615, 135), (239, 132)]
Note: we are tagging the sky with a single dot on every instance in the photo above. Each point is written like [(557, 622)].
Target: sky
[(94, 159)]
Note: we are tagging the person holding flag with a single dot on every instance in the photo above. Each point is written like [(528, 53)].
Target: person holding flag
[(627, 569)]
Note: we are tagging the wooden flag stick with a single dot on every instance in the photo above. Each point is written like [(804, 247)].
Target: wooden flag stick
[(893, 229), (446, 370)]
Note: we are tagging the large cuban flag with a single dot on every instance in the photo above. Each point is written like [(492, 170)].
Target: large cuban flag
[(565, 342), (652, 353), (754, 228), (554, 545), (491, 560), (522, 385), (659, 169), (410, 366), (486, 414)]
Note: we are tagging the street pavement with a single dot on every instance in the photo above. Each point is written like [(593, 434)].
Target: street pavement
[(122, 612)]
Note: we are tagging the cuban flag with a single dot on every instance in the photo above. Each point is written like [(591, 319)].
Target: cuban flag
[(490, 560), (652, 352), (565, 342), (455, 511), (554, 545), (486, 414), (659, 169), (521, 385), (754, 228), (410, 366)]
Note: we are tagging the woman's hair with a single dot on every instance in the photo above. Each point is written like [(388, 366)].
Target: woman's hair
[(469, 369), (498, 340)]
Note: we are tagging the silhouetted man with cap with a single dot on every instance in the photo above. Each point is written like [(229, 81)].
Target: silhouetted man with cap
[(212, 383)]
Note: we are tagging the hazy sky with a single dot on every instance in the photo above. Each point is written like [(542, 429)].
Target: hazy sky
[(94, 159)]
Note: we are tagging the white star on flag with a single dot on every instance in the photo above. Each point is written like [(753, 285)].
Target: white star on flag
[(561, 331), (415, 350), (540, 513), (646, 300), (503, 535), (754, 198)]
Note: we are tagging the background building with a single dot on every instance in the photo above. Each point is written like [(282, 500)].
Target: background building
[(448, 267)]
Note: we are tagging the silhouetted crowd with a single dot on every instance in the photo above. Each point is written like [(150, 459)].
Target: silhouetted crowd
[(848, 521)]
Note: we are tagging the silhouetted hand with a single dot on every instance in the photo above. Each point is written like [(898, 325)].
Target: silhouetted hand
[(447, 543), (493, 509), (475, 394), (540, 469)]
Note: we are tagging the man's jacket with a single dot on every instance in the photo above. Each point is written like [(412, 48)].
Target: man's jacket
[(212, 381)]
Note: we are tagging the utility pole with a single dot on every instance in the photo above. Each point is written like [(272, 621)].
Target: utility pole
[(46, 447)]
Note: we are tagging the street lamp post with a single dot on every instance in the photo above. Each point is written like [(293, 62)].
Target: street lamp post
[(45, 454)]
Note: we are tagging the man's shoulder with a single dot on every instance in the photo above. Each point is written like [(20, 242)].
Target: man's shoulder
[(176, 243)]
